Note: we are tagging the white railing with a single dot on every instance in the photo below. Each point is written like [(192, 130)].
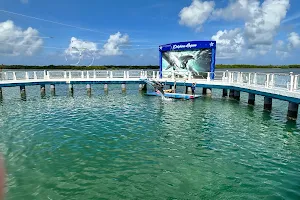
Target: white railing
[(290, 82)]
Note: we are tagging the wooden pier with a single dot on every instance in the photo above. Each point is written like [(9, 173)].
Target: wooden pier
[(269, 85)]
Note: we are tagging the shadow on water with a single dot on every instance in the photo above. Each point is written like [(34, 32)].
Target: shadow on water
[(266, 115), (43, 95), (23, 96), (53, 93), (206, 98), (250, 110), (291, 126), (71, 94), (89, 94)]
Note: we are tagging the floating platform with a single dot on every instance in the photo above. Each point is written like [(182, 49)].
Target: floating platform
[(174, 95)]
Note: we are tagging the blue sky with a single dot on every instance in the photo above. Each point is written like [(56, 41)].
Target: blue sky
[(143, 25)]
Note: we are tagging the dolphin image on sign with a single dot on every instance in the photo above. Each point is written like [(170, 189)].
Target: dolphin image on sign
[(178, 63)]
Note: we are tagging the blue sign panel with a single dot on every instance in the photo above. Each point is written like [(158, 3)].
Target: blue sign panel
[(194, 57)]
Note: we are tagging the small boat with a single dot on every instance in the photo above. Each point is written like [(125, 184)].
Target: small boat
[(174, 95)]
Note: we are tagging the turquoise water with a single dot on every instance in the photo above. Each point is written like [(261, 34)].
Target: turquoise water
[(130, 146)]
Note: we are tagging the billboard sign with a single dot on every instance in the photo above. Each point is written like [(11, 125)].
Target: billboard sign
[(193, 57)]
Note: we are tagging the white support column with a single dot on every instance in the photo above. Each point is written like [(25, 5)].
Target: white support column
[(146, 74), (127, 74), (34, 75), (267, 81), (208, 76), (70, 75), (65, 74), (157, 75), (296, 82), (153, 75), (227, 75), (249, 79), (45, 74), (230, 77), (107, 74), (124, 74), (82, 75), (240, 77), (291, 86), (26, 76), (87, 74), (271, 81), (14, 76), (141, 74), (111, 74), (95, 74), (255, 79)]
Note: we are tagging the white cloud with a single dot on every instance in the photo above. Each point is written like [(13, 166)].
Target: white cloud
[(284, 49), (239, 9), (261, 24), (24, 1), (230, 43), (261, 20), (79, 47), (15, 41), (261, 28), (112, 47), (281, 49), (91, 49), (196, 14), (294, 40)]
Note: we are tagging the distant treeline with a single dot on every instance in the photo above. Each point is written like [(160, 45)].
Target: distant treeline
[(70, 67), (115, 67)]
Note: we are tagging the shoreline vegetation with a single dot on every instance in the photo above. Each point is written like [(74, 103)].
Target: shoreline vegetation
[(116, 67)]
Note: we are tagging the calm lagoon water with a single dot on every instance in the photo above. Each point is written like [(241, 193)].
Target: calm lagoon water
[(130, 146)]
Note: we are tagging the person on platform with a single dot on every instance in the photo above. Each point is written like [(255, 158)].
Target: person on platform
[(193, 88)]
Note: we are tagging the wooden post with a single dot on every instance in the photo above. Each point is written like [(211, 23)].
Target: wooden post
[(188, 90), (225, 93), (43, 90), (231, 93), (236, 95), (23, 92), (105, 87), (123, 86), (268, 103), (143, 87), (251, 99), (71, 90), (52, 89), (293, 111), (89, 89)]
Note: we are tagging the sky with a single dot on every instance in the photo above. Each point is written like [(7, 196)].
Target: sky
[(129, 32)]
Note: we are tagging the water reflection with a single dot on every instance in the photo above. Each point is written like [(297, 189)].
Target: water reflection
[(291, 126), (266, 115)]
